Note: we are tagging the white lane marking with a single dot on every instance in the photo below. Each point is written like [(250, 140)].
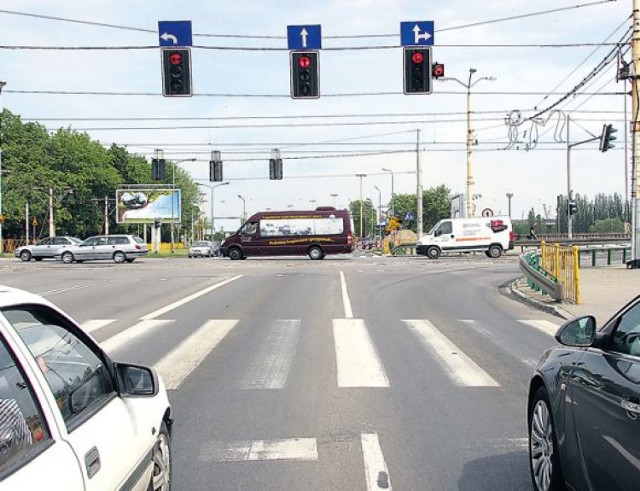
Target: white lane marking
[(502, 444), (624, 452), (545, 326), (184, 358), (485, 332), (133, 332), (357, 361), (189, 298), (458, 366), (348, 313), (273, 364), (287, 449), (63, 290), (375, 468), (95, 324)]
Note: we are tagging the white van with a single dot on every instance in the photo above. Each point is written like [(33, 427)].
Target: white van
[(493, 235)]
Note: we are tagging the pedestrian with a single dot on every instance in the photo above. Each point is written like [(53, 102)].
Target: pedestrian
[(532, 232)]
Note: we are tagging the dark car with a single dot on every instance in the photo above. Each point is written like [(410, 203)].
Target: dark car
[(584, 406)]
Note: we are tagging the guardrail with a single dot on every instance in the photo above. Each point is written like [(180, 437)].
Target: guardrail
[(538, 278)]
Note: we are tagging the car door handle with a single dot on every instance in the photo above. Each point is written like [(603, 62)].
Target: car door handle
[(92, 462)]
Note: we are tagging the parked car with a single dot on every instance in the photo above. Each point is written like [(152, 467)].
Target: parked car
[(119, 248), (584, 406), (45, 248), (203, 248), (71, 418)]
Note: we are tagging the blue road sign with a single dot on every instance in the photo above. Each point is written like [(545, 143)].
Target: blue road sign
[(409, 216), (304, 37), (175, 33), (418, 33)]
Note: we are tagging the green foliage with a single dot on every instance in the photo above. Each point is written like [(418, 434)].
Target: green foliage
[(435, 206), (34, 161), (368, 222), (607, 226)]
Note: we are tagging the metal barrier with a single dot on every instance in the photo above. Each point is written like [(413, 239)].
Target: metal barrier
[(563, 263), (538, 278)]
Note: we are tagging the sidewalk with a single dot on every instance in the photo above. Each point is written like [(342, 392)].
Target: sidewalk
[(604, 291)]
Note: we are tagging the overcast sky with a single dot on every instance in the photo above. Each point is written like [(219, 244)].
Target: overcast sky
[(234, 87)]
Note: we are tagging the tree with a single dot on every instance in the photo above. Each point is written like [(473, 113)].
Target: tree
[(368, 217)]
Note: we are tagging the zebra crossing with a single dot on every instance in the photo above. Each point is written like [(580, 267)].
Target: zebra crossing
[(358, 361)]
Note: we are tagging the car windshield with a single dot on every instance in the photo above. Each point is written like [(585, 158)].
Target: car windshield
[(75, 240), (202, 244)]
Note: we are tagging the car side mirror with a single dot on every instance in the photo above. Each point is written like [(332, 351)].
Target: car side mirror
[(579, 333), (136, 380)]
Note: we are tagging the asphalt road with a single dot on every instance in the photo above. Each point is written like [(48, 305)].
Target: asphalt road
[(351, 373)]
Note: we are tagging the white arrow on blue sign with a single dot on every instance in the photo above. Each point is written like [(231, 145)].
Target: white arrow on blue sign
[(175, 33), (419, 33), (304, 37)]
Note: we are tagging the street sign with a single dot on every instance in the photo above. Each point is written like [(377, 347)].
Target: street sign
[(408, 217), (175, 33), (418, 33), (304, 37)]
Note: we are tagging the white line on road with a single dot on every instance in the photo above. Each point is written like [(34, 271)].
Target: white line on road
[(287, 449), (95, 324), (128, 335), (189, 298), (545, 326), (273, 364), (357, 361), (348, 313), (375, 468), (474, 325), (184, 358), (462, 369), (63, 290)]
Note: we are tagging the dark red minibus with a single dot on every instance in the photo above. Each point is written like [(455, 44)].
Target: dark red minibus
[(314, 233)]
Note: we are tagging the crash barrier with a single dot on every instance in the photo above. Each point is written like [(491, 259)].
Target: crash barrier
[(606, 251), (538, 278), (404, 250), (563, 262)]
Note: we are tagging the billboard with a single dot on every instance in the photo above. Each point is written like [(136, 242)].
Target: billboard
[(145, 205)]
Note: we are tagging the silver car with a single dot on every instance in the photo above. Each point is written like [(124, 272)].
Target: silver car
[(202, 248), (46, 248), (119, 248)]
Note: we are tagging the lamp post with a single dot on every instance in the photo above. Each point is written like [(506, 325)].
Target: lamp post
[(468, 86), (361, 206), (211, 188), (379, 210), (333, 199), (244, 208), (173, 190), (2, 84), (509, 196), (392, 192)]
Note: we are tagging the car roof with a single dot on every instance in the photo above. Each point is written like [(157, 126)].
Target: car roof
[(14, 296)]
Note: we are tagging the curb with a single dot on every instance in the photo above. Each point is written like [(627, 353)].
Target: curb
[(545, 307)]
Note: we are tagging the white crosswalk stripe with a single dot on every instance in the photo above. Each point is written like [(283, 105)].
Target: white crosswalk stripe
[(461, 369), (375, 467), (130, 334), (356, 357), (95, 324), (545, 326), (184, 358), (271, 367), (303, 449)]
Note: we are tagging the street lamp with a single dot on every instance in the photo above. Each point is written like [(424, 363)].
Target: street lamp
[(379, 210), (468, 86), (392, 192), (509, 196), (211, 188), (333, 197), (244, 208), (361, 205), (159, 155)]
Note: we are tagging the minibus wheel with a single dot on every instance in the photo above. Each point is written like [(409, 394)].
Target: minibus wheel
[(315, 253), (433, 252), (235, 254), (495, 251)]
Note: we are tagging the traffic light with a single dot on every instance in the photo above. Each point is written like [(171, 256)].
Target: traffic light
[(573, 207), (275, 169), (158, 169), (417, 70), (176, 72), (305, 75), (215, 170), (437, 70), (607, 137)]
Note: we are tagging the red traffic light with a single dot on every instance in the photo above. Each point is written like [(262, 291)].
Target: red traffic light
[(175, 58), (417, 57), (438, 70), (304, 62)]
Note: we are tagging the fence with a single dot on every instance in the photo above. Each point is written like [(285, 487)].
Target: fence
[(564, 264)]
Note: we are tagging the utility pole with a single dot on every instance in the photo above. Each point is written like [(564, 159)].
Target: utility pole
[(52, 227), (361, 206), (2, 84), (569, 215), (509, 196), (106, 215), (419, 187), (635, 168)]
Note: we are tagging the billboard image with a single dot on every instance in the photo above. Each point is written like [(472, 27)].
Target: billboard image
[(145, 205)]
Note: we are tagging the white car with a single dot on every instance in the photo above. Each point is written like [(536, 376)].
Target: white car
[(45, 248), (202, 248), (70, 417), (119, 248)]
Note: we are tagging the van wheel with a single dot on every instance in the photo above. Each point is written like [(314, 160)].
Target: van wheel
[(495, 251), (433, 252), (315, 253), (235, 254)]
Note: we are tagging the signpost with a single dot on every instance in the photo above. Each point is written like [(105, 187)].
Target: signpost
[(175, 33), (419, 33), (304, 37)]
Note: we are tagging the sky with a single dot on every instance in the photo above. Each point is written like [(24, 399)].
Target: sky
[(242, 106)]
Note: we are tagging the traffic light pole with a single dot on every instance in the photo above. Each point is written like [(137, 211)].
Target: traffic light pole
[(419, 187), (635, 169)]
